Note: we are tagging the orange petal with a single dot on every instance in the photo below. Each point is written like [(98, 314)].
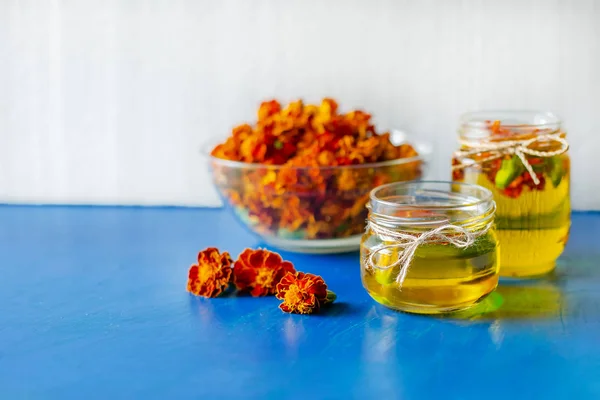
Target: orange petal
[(272, 260)]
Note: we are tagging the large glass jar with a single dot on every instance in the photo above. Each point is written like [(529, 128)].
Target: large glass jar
[(521, 158), (429, 247)]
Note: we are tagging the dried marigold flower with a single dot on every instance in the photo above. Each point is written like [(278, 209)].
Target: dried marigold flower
[(458, 174), (267, 109), (303, 293), (210, 277), (259, 271)]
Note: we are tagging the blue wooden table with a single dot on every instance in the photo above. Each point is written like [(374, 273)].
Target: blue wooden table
[(93, 305)]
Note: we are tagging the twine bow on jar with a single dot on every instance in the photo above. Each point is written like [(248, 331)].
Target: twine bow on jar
[(407, 243), (520, 148)]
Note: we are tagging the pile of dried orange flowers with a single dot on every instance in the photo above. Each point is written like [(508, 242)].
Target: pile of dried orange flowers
[(258, 272), (312, 169)]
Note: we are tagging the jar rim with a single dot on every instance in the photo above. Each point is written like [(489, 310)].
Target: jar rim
[(486, 195), (511, 119), (507, 125), (436, 201)]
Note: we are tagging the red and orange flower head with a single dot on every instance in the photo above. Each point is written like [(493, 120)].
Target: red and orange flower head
[(268, 109), (259, 271), (303, 293), (210, 277)]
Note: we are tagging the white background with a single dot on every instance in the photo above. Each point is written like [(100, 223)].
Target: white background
[(108, 101)]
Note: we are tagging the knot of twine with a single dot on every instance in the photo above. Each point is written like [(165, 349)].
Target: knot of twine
[(407, 243), (518, 147)]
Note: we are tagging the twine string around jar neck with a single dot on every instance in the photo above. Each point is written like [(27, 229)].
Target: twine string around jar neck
[(406, 243), (520, 148)]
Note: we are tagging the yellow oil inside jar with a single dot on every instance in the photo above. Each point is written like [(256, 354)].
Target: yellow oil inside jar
[(430, 247), (442, 277), (532, 225), (521, 157)]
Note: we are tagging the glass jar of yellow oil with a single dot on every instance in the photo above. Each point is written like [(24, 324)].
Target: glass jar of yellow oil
[(521, 157), (430, 247)]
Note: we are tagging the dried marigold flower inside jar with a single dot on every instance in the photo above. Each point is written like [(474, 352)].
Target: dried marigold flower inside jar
[(430, 247), (521, 157)]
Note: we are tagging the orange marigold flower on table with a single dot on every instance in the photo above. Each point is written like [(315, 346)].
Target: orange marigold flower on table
[(259, 271), (303, 293), (210, 277)]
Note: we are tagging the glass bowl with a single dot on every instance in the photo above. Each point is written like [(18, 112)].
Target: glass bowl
[(308, 209)]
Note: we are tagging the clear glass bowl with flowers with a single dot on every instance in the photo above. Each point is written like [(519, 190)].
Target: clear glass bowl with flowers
[(300, 177)]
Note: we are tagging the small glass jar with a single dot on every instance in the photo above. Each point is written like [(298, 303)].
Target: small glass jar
[(430, 247), (521, 157)]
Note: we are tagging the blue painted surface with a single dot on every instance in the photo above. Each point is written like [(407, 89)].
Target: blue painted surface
[(93, 305)]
